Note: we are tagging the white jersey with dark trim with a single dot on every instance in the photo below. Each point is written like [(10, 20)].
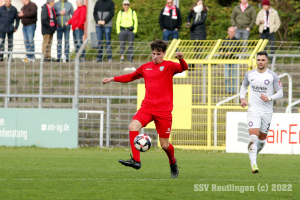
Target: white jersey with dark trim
[(261, 83)]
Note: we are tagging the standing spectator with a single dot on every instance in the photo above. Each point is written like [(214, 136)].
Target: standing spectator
[(228, 52), (170, 21), (8, 17), (28, 15), (127, 24), (269, 22), (64, 10), (77, 22), (49, 24), (198, 12), (243, 19), (104, 11)]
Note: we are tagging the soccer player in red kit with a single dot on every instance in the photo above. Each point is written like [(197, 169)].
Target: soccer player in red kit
[(158, 102)]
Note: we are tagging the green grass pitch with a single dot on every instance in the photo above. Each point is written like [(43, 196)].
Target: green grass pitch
[(94, 173)]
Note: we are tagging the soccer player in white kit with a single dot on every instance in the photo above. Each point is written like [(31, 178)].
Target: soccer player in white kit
[(262, 83)]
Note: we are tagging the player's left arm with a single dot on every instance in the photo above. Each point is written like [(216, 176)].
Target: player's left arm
[(182, 66), (279, 92)]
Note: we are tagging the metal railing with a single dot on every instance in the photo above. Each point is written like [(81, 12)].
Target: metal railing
[(101, 123), (289, 108), (58, 89)]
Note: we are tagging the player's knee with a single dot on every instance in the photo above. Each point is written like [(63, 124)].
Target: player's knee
[(133, 127), (165, 146)]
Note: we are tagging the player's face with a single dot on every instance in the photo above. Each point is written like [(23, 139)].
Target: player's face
[(262, 61), (157, 56)]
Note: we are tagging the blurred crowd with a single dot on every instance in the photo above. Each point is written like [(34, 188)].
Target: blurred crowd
[(61, 17)]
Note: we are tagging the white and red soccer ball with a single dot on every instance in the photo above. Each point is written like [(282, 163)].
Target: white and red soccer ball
[(142, 142)]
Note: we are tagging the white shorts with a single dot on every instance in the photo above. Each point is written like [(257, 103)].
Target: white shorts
[(259, 120)]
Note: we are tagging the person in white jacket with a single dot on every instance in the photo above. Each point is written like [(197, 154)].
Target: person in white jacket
[(269, 22)]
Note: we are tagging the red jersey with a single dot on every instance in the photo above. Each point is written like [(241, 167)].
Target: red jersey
[(158, 83)]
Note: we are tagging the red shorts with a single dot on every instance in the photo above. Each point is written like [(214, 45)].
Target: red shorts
[(162, 120)]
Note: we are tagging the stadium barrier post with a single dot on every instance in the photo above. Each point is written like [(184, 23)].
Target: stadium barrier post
[(41, 81), (210, 61), (8, 81), (76, 82)]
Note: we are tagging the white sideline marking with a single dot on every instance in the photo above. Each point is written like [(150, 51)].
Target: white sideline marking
[(99, 179)]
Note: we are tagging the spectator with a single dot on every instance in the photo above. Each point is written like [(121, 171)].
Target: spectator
[(28, 15), (77, 22), (228, 52), (269, 22), (198, 12), (104, 11), (49, 24), (8, 17), (127, 24), (170, 21), (64, 10), (243, 19)]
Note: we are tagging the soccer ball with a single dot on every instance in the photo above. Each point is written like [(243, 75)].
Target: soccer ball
[(142, 142)]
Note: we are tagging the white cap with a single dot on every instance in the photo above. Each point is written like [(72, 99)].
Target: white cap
[(126, 2)]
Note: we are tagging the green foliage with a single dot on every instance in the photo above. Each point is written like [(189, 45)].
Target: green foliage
[(226, 2), (217, 22)]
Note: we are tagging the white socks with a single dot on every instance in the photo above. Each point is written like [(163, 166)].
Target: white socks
[(260, 145), (252, 149)]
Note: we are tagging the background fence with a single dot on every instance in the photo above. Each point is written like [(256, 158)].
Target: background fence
[(119, 101)]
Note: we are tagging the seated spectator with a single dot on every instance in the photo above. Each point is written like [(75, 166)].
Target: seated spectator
[(170, 21), (49, 24), (77, 22), (269, 22), (9, 23), (127, 24)]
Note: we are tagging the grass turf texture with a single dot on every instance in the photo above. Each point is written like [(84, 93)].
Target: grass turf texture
[(94, 173)]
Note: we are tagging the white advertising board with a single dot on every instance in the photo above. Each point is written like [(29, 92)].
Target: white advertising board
[(283, 136)]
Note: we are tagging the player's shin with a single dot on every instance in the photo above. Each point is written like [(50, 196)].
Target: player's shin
[(170, 154), (135, 152), (260, 145), (252, 149)]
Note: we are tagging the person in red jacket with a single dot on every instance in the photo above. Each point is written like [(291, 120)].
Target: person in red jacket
[(77, 21), (158, 102)]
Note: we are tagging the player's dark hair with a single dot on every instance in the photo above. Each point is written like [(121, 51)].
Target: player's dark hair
[(261, 53), (159, 45)]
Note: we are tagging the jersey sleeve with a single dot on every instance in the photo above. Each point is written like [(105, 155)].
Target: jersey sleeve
[(130, 77), (276, 82), (179, 67), (246, 81)]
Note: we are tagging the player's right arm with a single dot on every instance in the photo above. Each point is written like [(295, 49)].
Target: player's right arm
[(243, 90), (125, 78), (107, 80)]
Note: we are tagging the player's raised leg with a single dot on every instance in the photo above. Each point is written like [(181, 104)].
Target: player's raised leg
[(252, 148), (135, 161), (169, 149)]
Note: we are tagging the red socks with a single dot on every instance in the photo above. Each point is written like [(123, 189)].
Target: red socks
[(135, 152), (170, 154)]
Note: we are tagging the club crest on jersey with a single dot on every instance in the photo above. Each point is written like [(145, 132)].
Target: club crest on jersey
[(266, 82), (280, 84), (161, 68), (250, 124)]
